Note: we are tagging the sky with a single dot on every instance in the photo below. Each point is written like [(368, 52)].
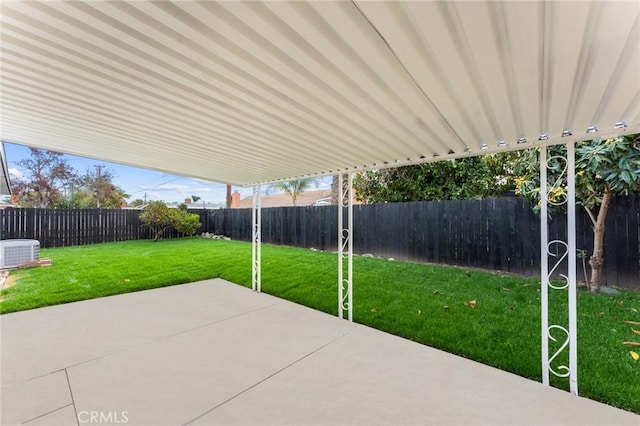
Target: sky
[(141, 183)]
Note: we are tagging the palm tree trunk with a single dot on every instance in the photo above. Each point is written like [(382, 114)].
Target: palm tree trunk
[(335, 192), (596, 261)]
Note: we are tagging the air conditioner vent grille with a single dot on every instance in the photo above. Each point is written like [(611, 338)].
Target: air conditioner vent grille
[(14, 253)]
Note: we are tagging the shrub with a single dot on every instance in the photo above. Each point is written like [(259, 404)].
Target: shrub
[(159, 217), (156, 216), (185, 222)]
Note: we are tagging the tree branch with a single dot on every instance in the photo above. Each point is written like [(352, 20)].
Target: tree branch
[(591, 215)]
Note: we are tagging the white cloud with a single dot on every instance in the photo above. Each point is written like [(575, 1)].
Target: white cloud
[(199, 189), (154, 196), (173, 187), (15, 173), (210, 192), (165, 187)]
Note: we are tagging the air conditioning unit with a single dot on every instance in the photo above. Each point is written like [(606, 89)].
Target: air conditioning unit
[(14, 253)]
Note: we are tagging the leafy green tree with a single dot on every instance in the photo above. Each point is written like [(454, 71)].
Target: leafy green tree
[(137, 202), (294, 188), (105, 193), (605, 168), (46, 174), (78, 199), (90, 191), (185, 222), (458, 179), (158, 217), (49, 181)]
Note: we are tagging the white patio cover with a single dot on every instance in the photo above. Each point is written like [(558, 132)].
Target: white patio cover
[(5, 183), (254, 92)]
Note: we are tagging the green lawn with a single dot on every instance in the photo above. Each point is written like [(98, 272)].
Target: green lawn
[(426, 303)]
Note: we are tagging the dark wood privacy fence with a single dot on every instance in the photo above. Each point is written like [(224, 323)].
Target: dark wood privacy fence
[(60, 228), (496, 234)]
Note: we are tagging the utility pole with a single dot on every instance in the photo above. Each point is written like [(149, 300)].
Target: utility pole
[(145, 198), (228, 196), (99, 183)]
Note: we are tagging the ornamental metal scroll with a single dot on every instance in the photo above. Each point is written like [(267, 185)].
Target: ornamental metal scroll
[(554, 253), (557, 193), (563, 346), (256, 239), (560, 259), (345, 247)]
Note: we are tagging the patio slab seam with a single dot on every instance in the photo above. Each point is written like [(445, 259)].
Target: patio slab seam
[(73, 401), (35, 399), (146, 343), (258, 383), (48, 413)]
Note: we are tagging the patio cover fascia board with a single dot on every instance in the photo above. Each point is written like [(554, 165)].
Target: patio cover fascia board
[(633, 130), (252, 93), (5, 179)]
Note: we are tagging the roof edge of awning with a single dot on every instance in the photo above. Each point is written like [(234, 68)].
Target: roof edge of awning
[(515, 146)]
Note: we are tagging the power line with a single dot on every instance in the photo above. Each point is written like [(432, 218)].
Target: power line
[(159, 184), (163, 176)]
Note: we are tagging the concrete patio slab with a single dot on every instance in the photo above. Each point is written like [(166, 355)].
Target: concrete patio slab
[(372, 378), (75, 333), (179, 378), (216, 353), (34, 398)]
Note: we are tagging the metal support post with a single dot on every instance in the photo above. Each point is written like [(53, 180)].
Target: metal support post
[(256, 237), (345, 246), (558, 193), (544, 266), (571, 236)]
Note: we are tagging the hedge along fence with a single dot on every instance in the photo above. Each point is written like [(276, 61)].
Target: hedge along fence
[(496, 234)]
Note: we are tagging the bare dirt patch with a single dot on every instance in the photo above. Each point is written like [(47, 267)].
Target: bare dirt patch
[(11, 280), (6, 281)]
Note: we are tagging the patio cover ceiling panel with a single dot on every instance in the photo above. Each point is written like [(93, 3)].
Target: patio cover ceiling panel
[(248, 92)]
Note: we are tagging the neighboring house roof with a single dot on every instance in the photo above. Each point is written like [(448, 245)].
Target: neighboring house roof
[(308, 198), (198, 206), (5, 182), (194, 206)]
